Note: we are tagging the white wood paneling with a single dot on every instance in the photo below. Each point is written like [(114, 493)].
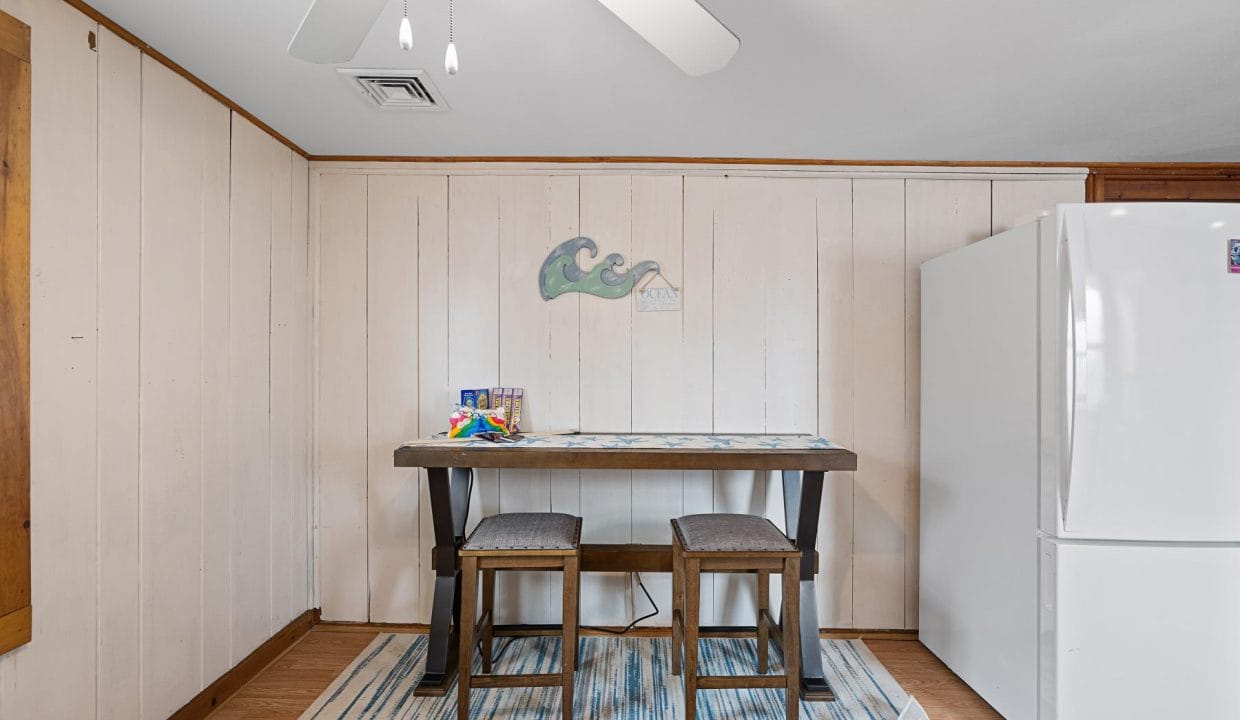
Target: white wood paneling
[(392, 392), (658, 367), (940, 216), (790, 307), (606, 395), (563, 410), (216, 398), (836, 378), (136, 219), (743, 213), (473, 308), (879, 431), (1016, 202), (279, 383), (524, 349), (249, 392), (433, 390), (799, 315), (300, 357), (63, 343), (701, 198), (341, 413), (171, 396), (120, 192)]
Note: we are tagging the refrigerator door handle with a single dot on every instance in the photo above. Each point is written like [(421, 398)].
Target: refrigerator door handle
[(1079, 344)]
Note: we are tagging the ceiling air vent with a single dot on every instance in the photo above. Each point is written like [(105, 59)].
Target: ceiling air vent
[(396, 89)]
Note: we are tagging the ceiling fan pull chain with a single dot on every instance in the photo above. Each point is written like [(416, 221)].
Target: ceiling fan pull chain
[(405, 36), (450, 62)]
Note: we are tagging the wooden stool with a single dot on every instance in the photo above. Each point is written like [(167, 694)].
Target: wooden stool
[(735, 543), (517, 541)]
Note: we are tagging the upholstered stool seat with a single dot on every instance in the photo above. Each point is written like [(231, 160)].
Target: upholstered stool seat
[(526, 531), (735, 543), (730, 533), (517, 541)]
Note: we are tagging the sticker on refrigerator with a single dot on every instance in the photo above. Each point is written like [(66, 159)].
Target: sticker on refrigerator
[(1233, 255)]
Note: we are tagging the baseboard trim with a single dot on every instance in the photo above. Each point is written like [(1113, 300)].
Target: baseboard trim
[(230, 682), (643, 631)]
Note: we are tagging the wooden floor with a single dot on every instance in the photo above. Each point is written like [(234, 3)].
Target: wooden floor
[(289, 685)]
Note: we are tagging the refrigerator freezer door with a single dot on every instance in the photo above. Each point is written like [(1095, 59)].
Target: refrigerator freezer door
[(1151, 320), (1139, 631)]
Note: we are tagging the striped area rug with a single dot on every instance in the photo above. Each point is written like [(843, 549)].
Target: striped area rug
[(617, 679)]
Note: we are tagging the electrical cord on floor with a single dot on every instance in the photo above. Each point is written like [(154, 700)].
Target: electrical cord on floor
[(633, 624), (611, 631)]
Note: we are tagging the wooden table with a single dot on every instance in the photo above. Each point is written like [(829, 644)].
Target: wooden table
[(802, 459)]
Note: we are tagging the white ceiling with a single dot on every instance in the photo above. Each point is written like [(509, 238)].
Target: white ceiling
[(1062, 80)]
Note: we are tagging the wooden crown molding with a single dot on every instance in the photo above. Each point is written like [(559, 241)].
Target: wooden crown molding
[(167, 62)]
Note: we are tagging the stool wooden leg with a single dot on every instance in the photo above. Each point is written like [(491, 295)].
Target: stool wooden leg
[(764, 632), (568, 662), (792, 636), (487, 634), (469, 616), (678, 605), (693, 601)]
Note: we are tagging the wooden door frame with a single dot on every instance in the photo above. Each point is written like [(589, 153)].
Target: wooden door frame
[(15, 601)]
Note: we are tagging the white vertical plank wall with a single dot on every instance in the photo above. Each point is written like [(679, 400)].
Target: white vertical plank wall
[(658, 369), (800, 314), (158, 560), (120, 175), (524, 345), (63, 373), (834, 223), (606, 353), (1018, 201), (216, 397), (342, 393), (170, 366), (392, 388)]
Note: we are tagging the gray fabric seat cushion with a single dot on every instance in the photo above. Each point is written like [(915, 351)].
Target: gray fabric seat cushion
[(719, 532), (526, 531)]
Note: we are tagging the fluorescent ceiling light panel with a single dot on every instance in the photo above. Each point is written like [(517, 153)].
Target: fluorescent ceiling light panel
[(682, 30), (333, 30)]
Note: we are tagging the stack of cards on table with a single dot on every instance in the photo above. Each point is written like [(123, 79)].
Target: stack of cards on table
[(508, 399)]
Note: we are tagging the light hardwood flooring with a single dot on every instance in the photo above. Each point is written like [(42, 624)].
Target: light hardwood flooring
[(290, 684)]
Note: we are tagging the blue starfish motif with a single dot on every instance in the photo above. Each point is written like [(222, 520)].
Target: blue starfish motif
[(576, 443), (627, 440), (771, 443), (720, 442), (674, 443)]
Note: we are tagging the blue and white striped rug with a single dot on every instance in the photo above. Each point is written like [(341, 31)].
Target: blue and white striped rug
[(617, 679)]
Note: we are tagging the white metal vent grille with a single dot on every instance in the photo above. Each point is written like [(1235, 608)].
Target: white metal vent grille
[(396, 89)]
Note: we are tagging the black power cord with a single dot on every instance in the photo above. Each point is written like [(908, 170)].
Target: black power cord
[(630, 626), (507, 643)]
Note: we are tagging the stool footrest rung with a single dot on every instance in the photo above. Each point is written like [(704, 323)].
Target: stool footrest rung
[(505, 681), (731, 682)]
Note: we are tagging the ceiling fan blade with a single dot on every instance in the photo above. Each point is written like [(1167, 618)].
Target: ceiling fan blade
[(333, 30), (682, 30)]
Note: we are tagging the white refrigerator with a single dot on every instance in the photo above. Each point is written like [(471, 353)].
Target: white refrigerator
[(1080, 464)]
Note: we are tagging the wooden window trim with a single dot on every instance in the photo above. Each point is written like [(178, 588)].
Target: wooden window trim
[(15, 601)]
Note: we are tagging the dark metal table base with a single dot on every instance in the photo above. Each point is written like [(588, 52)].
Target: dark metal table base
[(450, 492)]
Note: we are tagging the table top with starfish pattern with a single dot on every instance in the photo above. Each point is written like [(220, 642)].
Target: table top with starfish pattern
[(631, 451)]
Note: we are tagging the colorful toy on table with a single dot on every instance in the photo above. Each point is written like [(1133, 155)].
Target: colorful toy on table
[(467, 422)]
